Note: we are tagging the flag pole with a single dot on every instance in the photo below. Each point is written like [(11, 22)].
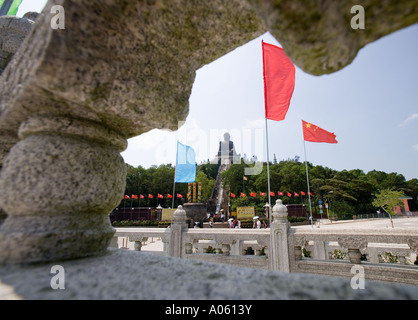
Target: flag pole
[(175, 170), (268, 172), (307, 180)]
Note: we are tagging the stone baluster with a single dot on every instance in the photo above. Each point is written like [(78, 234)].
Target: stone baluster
[(177, 227), (138, 245), (300, 242), (226, 248), (319, 251), (189, 248), (13, 31), (279, 238), (59, 183), (354, 245)]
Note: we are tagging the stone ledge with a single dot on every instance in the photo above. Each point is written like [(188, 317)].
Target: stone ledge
[(125, 274)]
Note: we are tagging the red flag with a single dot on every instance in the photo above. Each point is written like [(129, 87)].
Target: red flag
[(310, 193), (169, 196), (134, 196), (272, 193), (160, 196), (302, 193), (263, 194), (296, 194), (314, 133), (232, 195), (279, 81), (141, 196), (179, 195), (253, 194), (243, 195), (280, 193), (289, 194), (150, 196), (126, 196)]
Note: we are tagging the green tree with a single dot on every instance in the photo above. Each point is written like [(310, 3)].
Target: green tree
[(388, 199), (207, 185)]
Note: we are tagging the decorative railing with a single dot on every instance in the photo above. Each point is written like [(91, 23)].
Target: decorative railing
[(387, 254)]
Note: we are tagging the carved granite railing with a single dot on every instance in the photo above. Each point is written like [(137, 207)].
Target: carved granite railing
[(333, 252), (317, 251)]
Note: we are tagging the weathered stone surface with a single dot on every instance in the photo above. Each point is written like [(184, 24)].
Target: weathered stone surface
[(73, 96), (317, 35), (13, 31), (128, 65), (120, 275), (58, 192)]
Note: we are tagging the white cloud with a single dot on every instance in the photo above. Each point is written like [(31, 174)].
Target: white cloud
[(415, 147), (409, 119)]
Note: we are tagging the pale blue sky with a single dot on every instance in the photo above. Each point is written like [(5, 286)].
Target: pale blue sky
[(371, 105)]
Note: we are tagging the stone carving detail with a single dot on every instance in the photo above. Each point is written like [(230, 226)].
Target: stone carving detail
[(413, 244), (300, 241), (353, 242)]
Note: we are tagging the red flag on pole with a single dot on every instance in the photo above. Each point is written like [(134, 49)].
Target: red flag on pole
[(314, 133), (279, 81)]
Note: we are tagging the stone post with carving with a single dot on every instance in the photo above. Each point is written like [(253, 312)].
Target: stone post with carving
[(70, 98), (279, 238), (179, 224), (13, 31)]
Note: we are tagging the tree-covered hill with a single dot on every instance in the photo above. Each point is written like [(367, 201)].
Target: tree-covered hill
[(349, 192)]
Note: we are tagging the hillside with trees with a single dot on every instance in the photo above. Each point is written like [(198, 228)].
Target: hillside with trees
[(349, 192)]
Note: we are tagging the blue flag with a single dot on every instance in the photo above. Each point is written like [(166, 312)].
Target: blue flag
[(185, 164)]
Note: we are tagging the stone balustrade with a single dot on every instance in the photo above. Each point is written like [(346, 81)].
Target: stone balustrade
[(362, 247), (231, 246)]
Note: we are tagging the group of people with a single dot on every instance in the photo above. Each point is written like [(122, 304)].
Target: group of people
[(236, 224), (233, 223)]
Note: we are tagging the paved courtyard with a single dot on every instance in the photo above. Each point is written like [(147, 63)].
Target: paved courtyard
[(404, 223)]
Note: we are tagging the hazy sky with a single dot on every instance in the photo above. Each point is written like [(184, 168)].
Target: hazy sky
[(371, 106)]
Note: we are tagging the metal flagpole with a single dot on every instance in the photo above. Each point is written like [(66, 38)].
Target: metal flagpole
[(268, 187), (175, 170), (268, 172), (307, 180)]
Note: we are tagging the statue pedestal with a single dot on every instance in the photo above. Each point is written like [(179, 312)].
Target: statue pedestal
[(195, 212)]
